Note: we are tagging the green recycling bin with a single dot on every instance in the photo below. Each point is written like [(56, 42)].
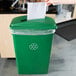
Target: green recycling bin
[(32, 44)]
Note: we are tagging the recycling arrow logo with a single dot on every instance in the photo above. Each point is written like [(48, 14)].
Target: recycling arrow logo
[(33, 46)]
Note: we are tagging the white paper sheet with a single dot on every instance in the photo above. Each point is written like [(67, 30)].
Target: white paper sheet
[(36, 10)]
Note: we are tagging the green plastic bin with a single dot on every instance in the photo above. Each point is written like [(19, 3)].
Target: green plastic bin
[(32, 44)]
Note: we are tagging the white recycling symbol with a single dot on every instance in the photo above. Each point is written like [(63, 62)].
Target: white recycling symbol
[(33, 46)]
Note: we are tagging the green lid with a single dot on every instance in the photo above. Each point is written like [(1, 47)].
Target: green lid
[(37, 24)]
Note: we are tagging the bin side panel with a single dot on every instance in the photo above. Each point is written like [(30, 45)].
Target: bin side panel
[(32, 53)]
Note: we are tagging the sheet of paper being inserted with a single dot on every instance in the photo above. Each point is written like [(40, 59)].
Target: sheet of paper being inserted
[(36, 10)]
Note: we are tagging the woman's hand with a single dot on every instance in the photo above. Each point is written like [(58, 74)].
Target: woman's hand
[(56, 2)]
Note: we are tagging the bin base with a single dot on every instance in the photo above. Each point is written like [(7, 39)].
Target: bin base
[(32, 73)]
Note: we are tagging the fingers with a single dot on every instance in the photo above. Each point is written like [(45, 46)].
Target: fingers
[(48, 2)]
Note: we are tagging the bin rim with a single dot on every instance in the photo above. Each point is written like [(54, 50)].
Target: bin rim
[(32, 32)]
